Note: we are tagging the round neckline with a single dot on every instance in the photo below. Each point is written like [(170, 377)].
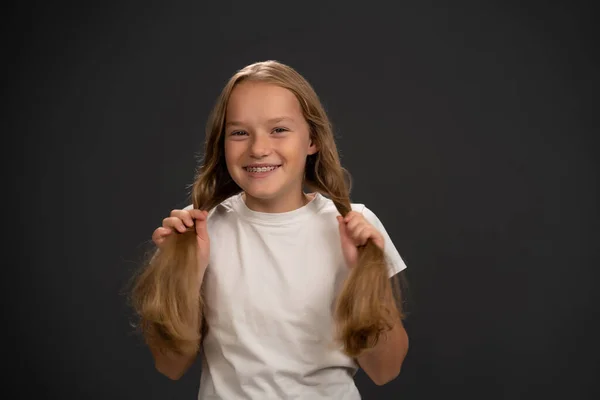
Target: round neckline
[(277, 218)]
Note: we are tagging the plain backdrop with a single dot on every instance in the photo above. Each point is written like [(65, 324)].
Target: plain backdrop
[(469, 129)]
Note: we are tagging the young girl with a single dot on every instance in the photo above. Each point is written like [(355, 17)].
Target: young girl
[(286, 292)]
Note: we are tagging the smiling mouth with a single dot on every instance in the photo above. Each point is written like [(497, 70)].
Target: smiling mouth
[(267, 168)]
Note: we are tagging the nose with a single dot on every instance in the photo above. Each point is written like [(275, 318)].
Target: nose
[(261, 146)]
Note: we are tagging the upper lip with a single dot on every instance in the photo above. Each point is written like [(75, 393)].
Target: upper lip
[(261, 165)]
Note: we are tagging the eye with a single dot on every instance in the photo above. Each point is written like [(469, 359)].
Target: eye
[(279, 130), (238, 133)]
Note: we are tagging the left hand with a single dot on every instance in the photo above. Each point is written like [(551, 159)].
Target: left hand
[(355, 231)]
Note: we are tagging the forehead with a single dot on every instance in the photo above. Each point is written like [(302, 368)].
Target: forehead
[(259, 100)]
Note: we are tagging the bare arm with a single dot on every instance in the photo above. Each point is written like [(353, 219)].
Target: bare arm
[(170, 364), (383, 362)]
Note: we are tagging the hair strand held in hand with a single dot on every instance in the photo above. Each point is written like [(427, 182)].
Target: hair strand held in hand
[(166, 296)]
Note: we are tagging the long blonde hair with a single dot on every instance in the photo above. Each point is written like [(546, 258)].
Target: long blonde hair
[(163, 294)]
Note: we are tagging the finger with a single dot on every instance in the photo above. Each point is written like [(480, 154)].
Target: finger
[(378, 241), (351, 215), (201, 226), (344, 236), (184, 215), (175, 223), (374, 235), (355, 223), (366, 235), (360, 235), (198, 214), (159, 234), (371, 234)]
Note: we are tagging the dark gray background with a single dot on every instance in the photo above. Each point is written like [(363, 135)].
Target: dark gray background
[(469, 129)]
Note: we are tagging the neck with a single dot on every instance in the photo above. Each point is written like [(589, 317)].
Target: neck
[(273, 206)]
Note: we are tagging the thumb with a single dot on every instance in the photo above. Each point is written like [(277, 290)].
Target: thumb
[(343, 232), (201, 229)]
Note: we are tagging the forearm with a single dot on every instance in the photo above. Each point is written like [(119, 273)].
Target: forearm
[(383, 362), (173, 357), (169, 363)]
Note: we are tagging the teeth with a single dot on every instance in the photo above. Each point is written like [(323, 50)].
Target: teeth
[(260, 169)]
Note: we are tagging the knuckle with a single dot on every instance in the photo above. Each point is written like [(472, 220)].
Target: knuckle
[(186, 216), (171, 222)]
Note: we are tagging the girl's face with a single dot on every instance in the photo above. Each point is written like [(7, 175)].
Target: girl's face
[(267, 141)]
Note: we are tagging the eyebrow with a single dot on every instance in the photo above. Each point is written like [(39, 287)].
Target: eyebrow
[(270, 121)]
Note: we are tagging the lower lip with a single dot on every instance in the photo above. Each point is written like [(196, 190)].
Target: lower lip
[(261, 174)]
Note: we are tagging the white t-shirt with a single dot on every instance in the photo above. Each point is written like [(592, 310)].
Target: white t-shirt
[(269, 292)]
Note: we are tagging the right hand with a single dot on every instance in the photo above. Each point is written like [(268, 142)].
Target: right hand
[(179, 221)]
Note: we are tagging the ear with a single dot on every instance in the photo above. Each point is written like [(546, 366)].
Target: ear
[(312, 148)]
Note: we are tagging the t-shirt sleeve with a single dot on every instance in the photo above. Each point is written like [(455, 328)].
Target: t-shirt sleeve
[(395, 261)]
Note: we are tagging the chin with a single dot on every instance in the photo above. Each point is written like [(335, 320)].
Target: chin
[(261, 194), (259, 189)]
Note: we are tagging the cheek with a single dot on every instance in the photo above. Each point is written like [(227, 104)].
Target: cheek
[(230, 162), (232, 152), (295, 152)]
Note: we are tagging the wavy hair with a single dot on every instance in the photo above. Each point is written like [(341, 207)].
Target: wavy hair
[(165, 299)]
